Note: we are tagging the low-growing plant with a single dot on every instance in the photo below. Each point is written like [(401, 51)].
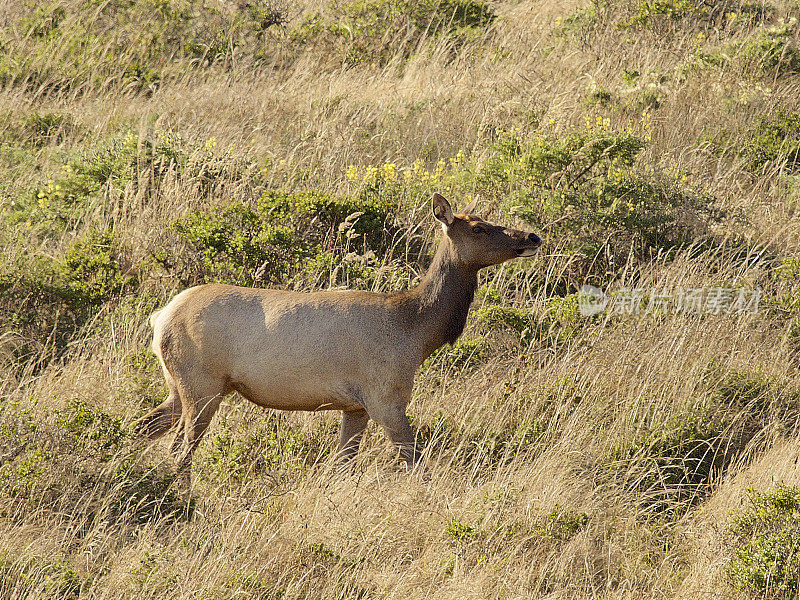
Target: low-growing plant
[(765, 544), (562, 523), (282, 235), (774, 142), (585, 188), (361, 30), (94, 268), (92, 429), (460, 532), (53, 578), (46, 300), (44, 128), (129, 46), (772, 51), (466, 353), (670, 467), (519, 320), (269, 447)]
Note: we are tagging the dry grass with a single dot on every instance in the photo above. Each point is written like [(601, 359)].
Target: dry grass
[(564, 465)]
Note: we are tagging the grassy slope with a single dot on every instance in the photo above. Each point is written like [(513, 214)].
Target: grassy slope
[(567, 458)]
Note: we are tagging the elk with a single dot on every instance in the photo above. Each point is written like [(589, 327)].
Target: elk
[(353, 351)]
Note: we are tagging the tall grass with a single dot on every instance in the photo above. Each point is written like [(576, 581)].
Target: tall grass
[(150, 145)]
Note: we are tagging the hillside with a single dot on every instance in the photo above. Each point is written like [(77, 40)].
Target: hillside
[(647, 451)]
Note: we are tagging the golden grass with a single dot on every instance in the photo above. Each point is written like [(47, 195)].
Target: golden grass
[(580, 510)]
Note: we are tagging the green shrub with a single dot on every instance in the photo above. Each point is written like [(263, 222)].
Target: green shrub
[(44, 128), (765, 539), (563, 523), (46, 300), (92, 429), (20, 476), (234, 244), (53, 577), (139, 494), (657, 15), (650, 12), (94, 268), (494, 316), (466, 353), (586, 187), (489, 448), (272, 446), (461, 532), (130, 46), (774, 142), (773, 51), (671, 466), (281, 235), (95, 176), (362, 30)]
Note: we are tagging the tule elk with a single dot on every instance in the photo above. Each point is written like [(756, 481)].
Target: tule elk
[(352, 351)]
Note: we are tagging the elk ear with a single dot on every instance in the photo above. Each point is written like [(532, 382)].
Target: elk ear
[(442, 209), (470, 208)]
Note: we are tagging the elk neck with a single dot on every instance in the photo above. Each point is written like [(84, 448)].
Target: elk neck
[(437, 308)]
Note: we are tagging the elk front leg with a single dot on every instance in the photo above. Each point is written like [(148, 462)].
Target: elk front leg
[(394, 421)]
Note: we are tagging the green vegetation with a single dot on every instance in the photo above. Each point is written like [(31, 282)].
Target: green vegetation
[(773, 51), (282, 235), (122, 46), (273, 446), (587, 182), (766, 544), (775, 143), (672, 466), (150, 145), (563, 523), (55, 579), (371, 30)]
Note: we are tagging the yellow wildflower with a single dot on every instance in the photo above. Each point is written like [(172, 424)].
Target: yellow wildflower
[(390, 172)]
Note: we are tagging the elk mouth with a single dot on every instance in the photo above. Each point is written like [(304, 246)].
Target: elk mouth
[(531, 248)]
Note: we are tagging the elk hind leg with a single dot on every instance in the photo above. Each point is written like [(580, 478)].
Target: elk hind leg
[(200, 398), (350, 433), (163, 417)]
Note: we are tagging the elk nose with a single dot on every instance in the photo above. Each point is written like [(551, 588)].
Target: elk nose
[(534, 239)]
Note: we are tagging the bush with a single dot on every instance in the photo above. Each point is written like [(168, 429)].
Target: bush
[(467, 353), (766, 544), (95, 269), (129, 46), (272, 446), (47, 300), (53, 578), (671, 466), (586, 189), (80, 466), (363, 30), (563, 523), (96, 176), (774, 142), (93, 429), (280, 236), (773, 51), (659, 15), (44, 128)]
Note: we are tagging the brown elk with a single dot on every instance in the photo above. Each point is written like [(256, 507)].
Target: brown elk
[(352, 351)]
